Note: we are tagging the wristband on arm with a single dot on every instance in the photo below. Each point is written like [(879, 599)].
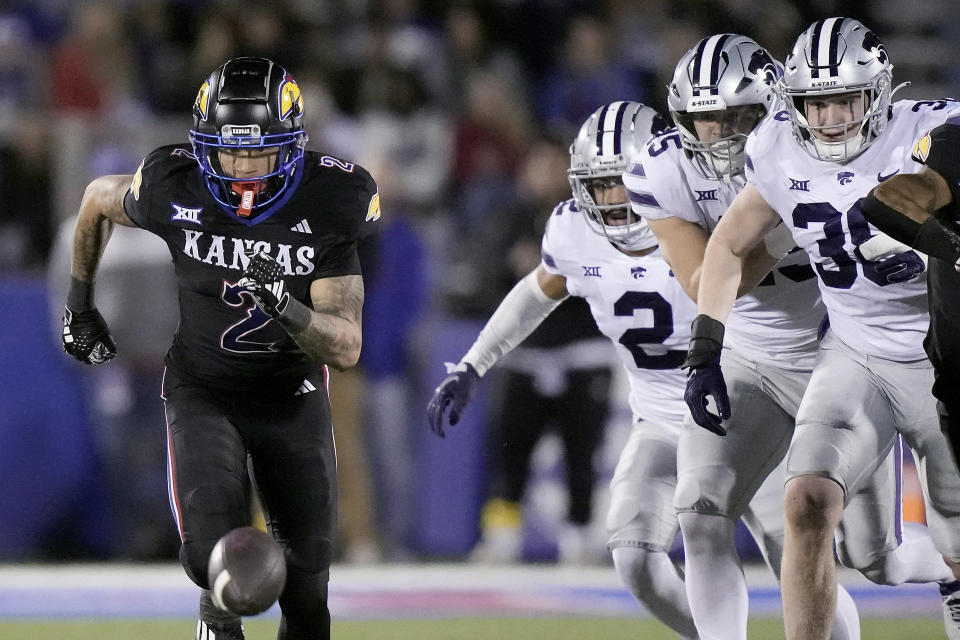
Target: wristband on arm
[(295, 317), (706, 342), (79, 295)]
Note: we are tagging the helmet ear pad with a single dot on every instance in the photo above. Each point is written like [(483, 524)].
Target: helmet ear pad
[(246, 104)]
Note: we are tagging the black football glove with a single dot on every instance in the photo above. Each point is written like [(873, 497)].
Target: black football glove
[(263, 278), (454, 392), (86, 336), (705, 378)]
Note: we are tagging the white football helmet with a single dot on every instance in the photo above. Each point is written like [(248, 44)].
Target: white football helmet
[(602, 150), (736, 79), (833, 57)]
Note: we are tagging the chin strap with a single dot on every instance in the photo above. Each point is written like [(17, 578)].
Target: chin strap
[(902, 85)]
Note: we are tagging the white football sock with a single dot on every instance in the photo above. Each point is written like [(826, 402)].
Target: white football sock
[(706, 535), (716, 588), (846, 622), (654, 581)]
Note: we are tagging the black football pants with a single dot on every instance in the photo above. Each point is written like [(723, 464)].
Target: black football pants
[(220, 441)]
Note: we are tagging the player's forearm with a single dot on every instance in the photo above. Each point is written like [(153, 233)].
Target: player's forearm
[(329, 332), (90, 237), (689, 278), (100, 208), (722, 272), (330, 339), (682, 244), (755, 268)]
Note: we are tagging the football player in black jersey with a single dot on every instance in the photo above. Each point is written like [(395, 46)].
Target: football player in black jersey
[(263, 237), (922, 210)]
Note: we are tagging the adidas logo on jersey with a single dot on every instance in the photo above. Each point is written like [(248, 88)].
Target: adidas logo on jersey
[(185, 214), (305, 388), (303, 227)]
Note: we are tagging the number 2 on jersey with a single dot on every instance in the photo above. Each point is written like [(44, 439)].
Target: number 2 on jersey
[(635, 339), (236, 338)]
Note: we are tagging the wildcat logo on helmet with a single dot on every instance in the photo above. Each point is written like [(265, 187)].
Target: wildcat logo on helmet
[(202, 103), (922, 149), (291, 100)]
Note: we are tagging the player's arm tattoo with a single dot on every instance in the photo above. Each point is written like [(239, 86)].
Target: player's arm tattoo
[(100, 209), (334, 333)]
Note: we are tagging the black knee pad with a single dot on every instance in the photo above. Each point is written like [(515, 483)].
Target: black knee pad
[(304, 605), (210, 511), (194, 556)]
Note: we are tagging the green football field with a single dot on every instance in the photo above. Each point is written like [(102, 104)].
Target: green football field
[(454, 629)]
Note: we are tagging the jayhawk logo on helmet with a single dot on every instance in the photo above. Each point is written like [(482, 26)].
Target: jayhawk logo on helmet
[(291, 100), (373, 209), (202, 103), (922, 149), (137, 181)]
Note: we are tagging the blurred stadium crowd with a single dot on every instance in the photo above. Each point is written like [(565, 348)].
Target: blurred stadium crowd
[(462, 111)]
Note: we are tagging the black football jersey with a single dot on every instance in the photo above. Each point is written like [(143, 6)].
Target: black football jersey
[(312, 229), (940, 150)]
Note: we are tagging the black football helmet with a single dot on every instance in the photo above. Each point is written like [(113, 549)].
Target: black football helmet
[(248, 103)]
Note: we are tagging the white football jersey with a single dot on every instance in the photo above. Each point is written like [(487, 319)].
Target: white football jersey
[(821, 203), (778, 320), (637, 303)]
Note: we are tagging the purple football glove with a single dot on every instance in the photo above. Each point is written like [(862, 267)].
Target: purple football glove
[(893, 261), (705, 378), (703, 382), (454, 393), (901, 267)]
